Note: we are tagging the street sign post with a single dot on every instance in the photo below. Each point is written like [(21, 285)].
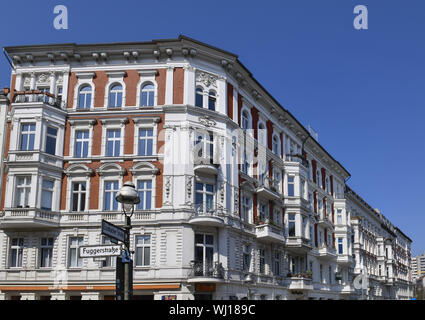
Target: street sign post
[(121, 279), (97, 251), (112, 231)]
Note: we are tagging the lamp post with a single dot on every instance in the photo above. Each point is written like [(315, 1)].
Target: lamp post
[(128, 197)]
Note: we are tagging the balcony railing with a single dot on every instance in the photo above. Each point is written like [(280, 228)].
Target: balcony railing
[(205, 269), (38, 96)]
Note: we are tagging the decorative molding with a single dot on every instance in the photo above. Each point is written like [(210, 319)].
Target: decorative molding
[(78, 169), (122, 120), (111, 169), (207, 79), (87, 122), (148, 72), (147, 120), (207, 121), (144, 167)]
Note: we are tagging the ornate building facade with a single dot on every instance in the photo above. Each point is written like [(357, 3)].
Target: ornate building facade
[(238, 200)]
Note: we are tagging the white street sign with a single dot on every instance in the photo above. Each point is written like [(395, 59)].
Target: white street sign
[(100, 251)]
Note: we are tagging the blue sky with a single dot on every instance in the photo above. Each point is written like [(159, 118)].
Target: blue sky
[(362, 91)]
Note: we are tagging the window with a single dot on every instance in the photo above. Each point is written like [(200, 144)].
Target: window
[(340, 247), (81, 143), (27, 136), (291, 186), (59, 93), (144, 187), (143, 250), (245, 120), (74, 260), (246, 207), (148, 95), (113, 140), (339, 216), (211, 100), (84, 97), (78, 196), (262, 134), (303, 189), (204, 147), (46, 252), (110, 191), (321, 273), (23, 191), (16, 252), (47, 194), (42, 97), (245, 163), (51, 140), (115, 96), (262, 209), (109, 261), (204, 254), (275, 145), (246, 259), (145, 142), (328, 188), (262, 254), (276, 263), (199, 98), (319, 178), (291, 225), (204, 197)]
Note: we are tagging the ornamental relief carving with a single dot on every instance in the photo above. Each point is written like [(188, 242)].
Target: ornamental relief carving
[(207, 79), (43, 78), (207, 121)]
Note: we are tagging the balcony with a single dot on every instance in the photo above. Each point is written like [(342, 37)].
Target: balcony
[(297, 245), (208, 218), (28, 218), (206, 272), (344, 259), (326, 253), (28, 156), (204, 165), (268, 189), (37, 96), (325, 221), (301, 282), (269, 232)]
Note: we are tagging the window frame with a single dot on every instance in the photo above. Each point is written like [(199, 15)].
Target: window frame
[(143, 245)]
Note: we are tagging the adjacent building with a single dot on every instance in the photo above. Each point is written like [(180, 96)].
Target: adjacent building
[(418, 266), (238, 200)]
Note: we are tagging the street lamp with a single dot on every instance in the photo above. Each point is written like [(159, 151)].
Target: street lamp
[(128, 197), (247, 281)]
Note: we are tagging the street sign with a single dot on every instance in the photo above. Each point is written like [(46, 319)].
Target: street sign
[(97, 251), (112, 231)]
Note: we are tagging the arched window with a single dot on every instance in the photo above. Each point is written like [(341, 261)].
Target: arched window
[(115, 96), (199, 98), (147, 95), (275, 145), (245, 120), (84, 97), (211, 100), (262, 134)]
